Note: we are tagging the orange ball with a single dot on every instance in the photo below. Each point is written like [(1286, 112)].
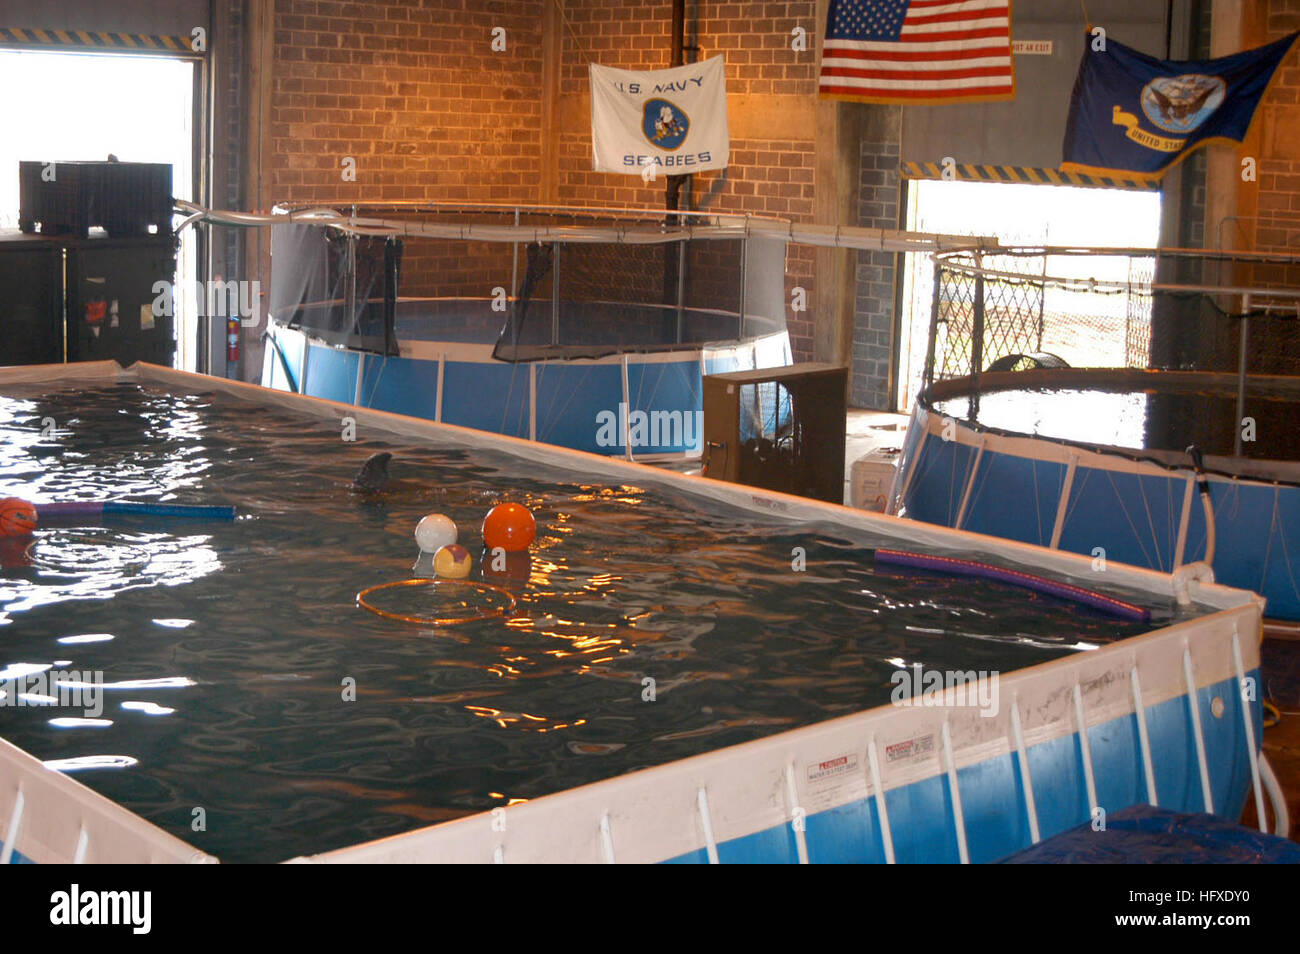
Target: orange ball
[(17, 517), (509, 526)]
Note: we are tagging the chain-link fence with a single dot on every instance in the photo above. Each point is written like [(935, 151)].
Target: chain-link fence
[(1113, 308)]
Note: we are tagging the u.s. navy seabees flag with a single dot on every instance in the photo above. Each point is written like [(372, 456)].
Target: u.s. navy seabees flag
[(674, 119), (917, 52), (1133, 113)]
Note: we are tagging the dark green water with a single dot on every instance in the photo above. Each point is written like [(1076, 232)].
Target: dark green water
[(227, 645)]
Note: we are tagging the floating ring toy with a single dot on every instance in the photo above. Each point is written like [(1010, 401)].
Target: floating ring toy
[(140, 554), (491, 613)]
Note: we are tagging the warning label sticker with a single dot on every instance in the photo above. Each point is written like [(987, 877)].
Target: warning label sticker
[(837, 767), (1032, 47), (922, 745)]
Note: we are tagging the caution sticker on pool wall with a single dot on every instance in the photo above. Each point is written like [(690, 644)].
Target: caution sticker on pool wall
[(832, 769), (910, 750)]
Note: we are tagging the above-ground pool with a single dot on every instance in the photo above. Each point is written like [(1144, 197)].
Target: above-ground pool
[(693, 671), (1095, 462), (562, 326), (450, 376)]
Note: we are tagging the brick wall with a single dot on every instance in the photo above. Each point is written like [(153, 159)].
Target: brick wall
[(414, 94), (1277, 201), (1270, 207), (873, 326), (769, 174), (430, 113)]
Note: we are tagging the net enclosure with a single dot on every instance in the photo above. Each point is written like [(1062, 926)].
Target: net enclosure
[(538, 284), (1173, 309)]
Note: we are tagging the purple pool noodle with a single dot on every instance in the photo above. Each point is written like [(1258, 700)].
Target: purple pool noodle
[(1065, 591), (73, 508)]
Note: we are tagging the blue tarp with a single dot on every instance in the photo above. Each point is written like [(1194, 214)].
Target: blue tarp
[(1144, 834)]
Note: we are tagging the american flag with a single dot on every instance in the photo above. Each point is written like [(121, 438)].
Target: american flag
[(922, 51)]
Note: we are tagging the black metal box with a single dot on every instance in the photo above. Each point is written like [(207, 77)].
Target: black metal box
[(123, 198), (31, 299), (116, 307)]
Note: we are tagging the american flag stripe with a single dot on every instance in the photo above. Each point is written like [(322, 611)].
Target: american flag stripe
[(944, 51)]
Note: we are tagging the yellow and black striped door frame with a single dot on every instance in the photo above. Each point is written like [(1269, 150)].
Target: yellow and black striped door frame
[(27, 38), (966, 172)]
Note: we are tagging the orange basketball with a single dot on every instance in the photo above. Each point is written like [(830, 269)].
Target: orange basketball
[(17, 517), (509, 526)]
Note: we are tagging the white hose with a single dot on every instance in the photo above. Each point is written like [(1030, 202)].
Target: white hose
[(1208, 507), (1185, 575), (1281, 817)]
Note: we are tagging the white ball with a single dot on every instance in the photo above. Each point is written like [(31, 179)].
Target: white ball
[(435, 531)]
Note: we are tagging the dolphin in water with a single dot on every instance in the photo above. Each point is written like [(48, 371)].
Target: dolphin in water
[(373, 480), (373, 477)]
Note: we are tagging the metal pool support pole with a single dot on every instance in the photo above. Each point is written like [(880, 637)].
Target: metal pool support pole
[(442, 367), (797, 820), (1144, 739), (882, 810), (681, 286), (1243, 339), (514, 264), (627, 403), (1062, 506), (958, 816), (928, 373), (1250, 731), (1195, 710), (744, 266), (607, 838), (710, 843), (15, 823), (555, 294), (1085, 751), (532, 400), (970, 482), (1018, 736), (977, 339), (351, 291)]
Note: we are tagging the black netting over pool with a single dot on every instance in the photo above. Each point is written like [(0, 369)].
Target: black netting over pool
[(536, 290)]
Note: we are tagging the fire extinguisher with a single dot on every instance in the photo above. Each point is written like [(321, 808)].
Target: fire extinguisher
[(232, 340)]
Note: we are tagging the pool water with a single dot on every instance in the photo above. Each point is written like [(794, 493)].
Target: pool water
[(1168, 420), (230, 649)]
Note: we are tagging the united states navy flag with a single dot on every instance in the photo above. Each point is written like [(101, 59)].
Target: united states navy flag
[(1133, 113)]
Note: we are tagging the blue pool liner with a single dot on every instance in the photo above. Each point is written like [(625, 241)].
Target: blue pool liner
[(97, 508), (1144, 834), (988, 571)]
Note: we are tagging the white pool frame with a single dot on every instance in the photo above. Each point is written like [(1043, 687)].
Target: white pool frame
[(774, 798)]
